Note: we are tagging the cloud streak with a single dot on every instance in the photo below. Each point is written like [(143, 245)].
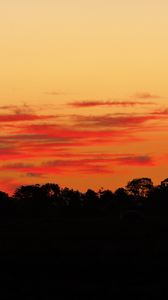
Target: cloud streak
[(146, 95), (162, 112), (93, 164), (54, 93), (110, 121), (23, 117), (143, 160), (83, 104)]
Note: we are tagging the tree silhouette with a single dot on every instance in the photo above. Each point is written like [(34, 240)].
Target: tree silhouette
[(28, 198), (71, 198), (91, 199), (123, 199), (4, 198), (106, 200), (139, 197), (139, 187), (51, 190), (50, 194), (4, 203), (164, 183), (157, 204)]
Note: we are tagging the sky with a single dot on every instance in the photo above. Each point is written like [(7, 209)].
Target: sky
[(83, 92)]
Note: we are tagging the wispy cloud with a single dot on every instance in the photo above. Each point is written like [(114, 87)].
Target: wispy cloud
[(111, 121), (24, 117), (35, 175), (55, 93), (143, 160), (8, 107), (35, 139), (23, 109), (146, 95), (94, 165), (161, 112), (83, 104), (15, 166)]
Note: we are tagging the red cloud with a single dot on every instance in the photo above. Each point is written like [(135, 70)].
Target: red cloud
[(55, 131), (45, 140), (24, 117), (80, 104), (18, 166), (112, 121), (64, 147), (143, 160), (121, 159), (161, 112), (81, 165)]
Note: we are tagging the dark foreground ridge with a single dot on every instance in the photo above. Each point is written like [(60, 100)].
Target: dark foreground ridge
[(57, 243)]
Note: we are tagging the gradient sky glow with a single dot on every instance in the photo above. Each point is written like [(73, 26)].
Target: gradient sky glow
[(83, 93)]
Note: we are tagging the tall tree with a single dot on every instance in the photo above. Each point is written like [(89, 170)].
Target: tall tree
[(139, 187)]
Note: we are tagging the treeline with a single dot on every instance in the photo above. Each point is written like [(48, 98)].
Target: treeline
[(138, 199)]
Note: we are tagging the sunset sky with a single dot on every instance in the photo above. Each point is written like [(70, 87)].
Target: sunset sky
[(83, 92)]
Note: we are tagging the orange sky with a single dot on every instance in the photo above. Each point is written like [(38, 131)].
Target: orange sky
[(83, 93)]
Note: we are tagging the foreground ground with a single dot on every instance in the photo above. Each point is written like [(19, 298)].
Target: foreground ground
[(81, 258)]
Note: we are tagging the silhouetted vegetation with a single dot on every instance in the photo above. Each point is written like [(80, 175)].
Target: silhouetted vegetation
[(140, 200), (64, 242)]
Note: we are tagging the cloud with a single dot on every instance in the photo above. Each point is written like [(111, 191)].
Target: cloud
[(92, 165), (97, 162), (23, 109), (8, 107), (46, 140), (143, 160), (54, 93), (58, 166), (54, 131), (11, 153), (80, 104), (58, 140), (15, 166), (36, 145), (160, 112), (109, 120), (146, 95), (23, 117), (35, 175)]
